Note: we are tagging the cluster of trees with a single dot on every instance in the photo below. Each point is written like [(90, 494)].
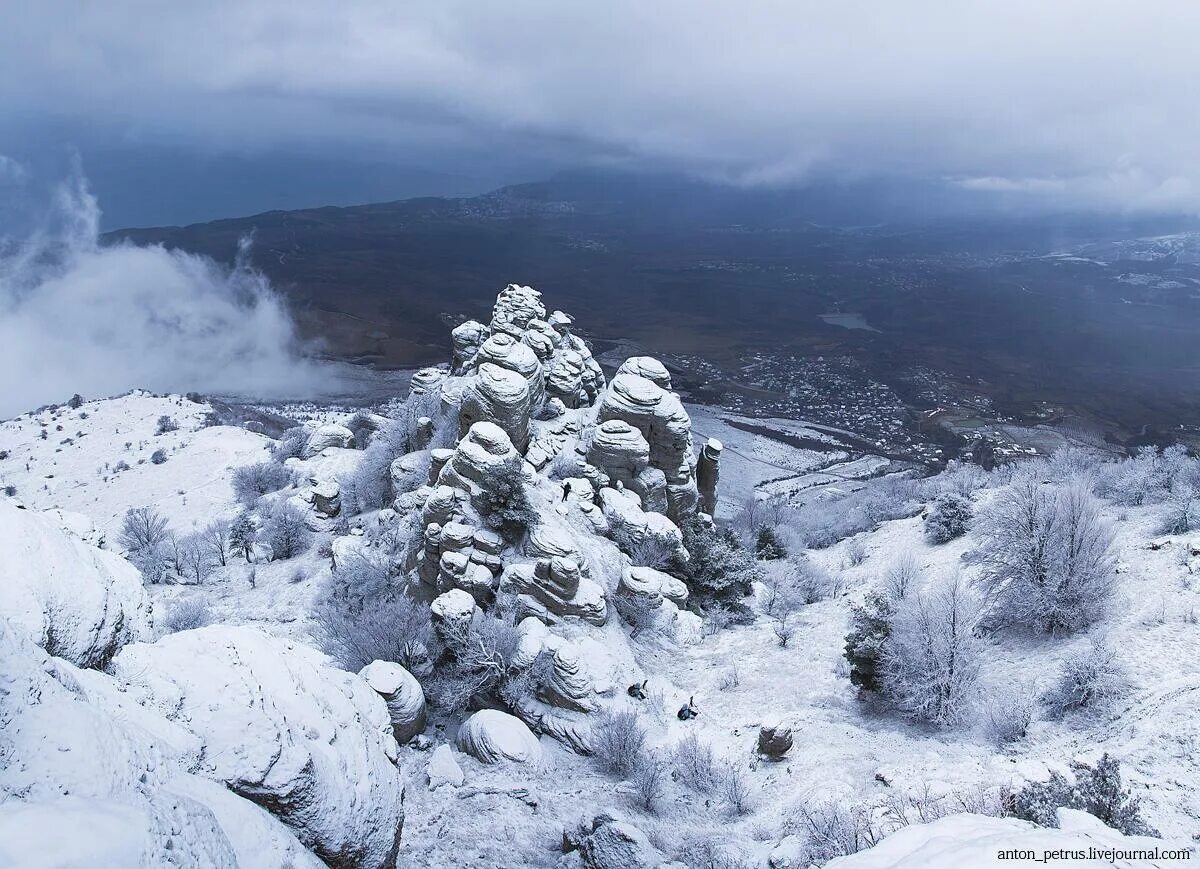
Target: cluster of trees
[(159, 552)]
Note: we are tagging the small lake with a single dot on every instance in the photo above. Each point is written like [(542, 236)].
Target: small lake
[(849, 321)]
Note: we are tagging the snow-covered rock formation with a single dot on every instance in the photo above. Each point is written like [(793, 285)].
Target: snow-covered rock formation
[(77, 602)]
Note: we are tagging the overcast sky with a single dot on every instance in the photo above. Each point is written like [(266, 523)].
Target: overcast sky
[(252, 104)]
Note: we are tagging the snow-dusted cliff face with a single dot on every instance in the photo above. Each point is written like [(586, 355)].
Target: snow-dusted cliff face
[(494, 622)]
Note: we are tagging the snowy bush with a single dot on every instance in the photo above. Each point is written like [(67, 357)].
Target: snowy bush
[(618, 742), (1047, 556), (290, 444), (784, 627), (1097, 790), (736, 788), (695, 765), (1006, 714), (398, 629), (504, 503), (363, 426), (186, 615), (901, 577), (1090, 677), (251, 482), (483, 667), (1182, 510), (158, 457), (285, 532), (948, 518), (649, 781), (930, 661), (856, 553), (636, 610), (165, 424), (832, 829)]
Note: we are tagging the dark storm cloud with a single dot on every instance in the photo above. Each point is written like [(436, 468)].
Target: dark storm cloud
[(1079, 103)]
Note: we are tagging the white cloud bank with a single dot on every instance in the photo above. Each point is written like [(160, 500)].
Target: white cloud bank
[(78, 317)]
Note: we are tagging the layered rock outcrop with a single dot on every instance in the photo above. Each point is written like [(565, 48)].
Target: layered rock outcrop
[(659, 416)]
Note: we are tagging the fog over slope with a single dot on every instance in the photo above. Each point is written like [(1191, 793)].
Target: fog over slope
[(78, 317)]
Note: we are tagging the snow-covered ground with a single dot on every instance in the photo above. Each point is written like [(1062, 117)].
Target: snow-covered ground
[(845, 750)]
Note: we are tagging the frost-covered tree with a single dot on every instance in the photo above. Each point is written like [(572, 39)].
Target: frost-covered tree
[(504, 502), (1182, 509), (718, 566), (1047, 556), (930, 661), (948, 518), (768, 546), (143, 528), (216, 539), (285, 531), (870, 629), (194, 558), (241, 535)]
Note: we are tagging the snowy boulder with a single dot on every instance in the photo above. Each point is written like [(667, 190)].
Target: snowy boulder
[(774, 739), (516, 306), (977, 840), (490, 736), (77, 602), (444, 769), (452, 613), (87, 759), (282, 728), (403, 695), (326, 498), (608, 843), (326, 436)]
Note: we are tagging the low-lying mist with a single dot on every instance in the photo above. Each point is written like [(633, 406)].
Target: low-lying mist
[(78, 317)]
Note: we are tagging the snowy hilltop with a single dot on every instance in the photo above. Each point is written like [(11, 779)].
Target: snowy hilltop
[(537, 612)]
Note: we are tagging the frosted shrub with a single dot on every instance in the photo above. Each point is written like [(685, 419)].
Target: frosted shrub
[(649, 781), (186, 615), (1182, 510), (251, 482), (285, 532), (903, 576), (1047, 556), (719, 566), (736, 788), (158, 457), (695, 764), (832, 829), (948, 518), (397, 629), (1005, 716), (930, 661), (1090, 677), (1097, 790), (290, 444), (165, 424), (504, 502), (618, 742)]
